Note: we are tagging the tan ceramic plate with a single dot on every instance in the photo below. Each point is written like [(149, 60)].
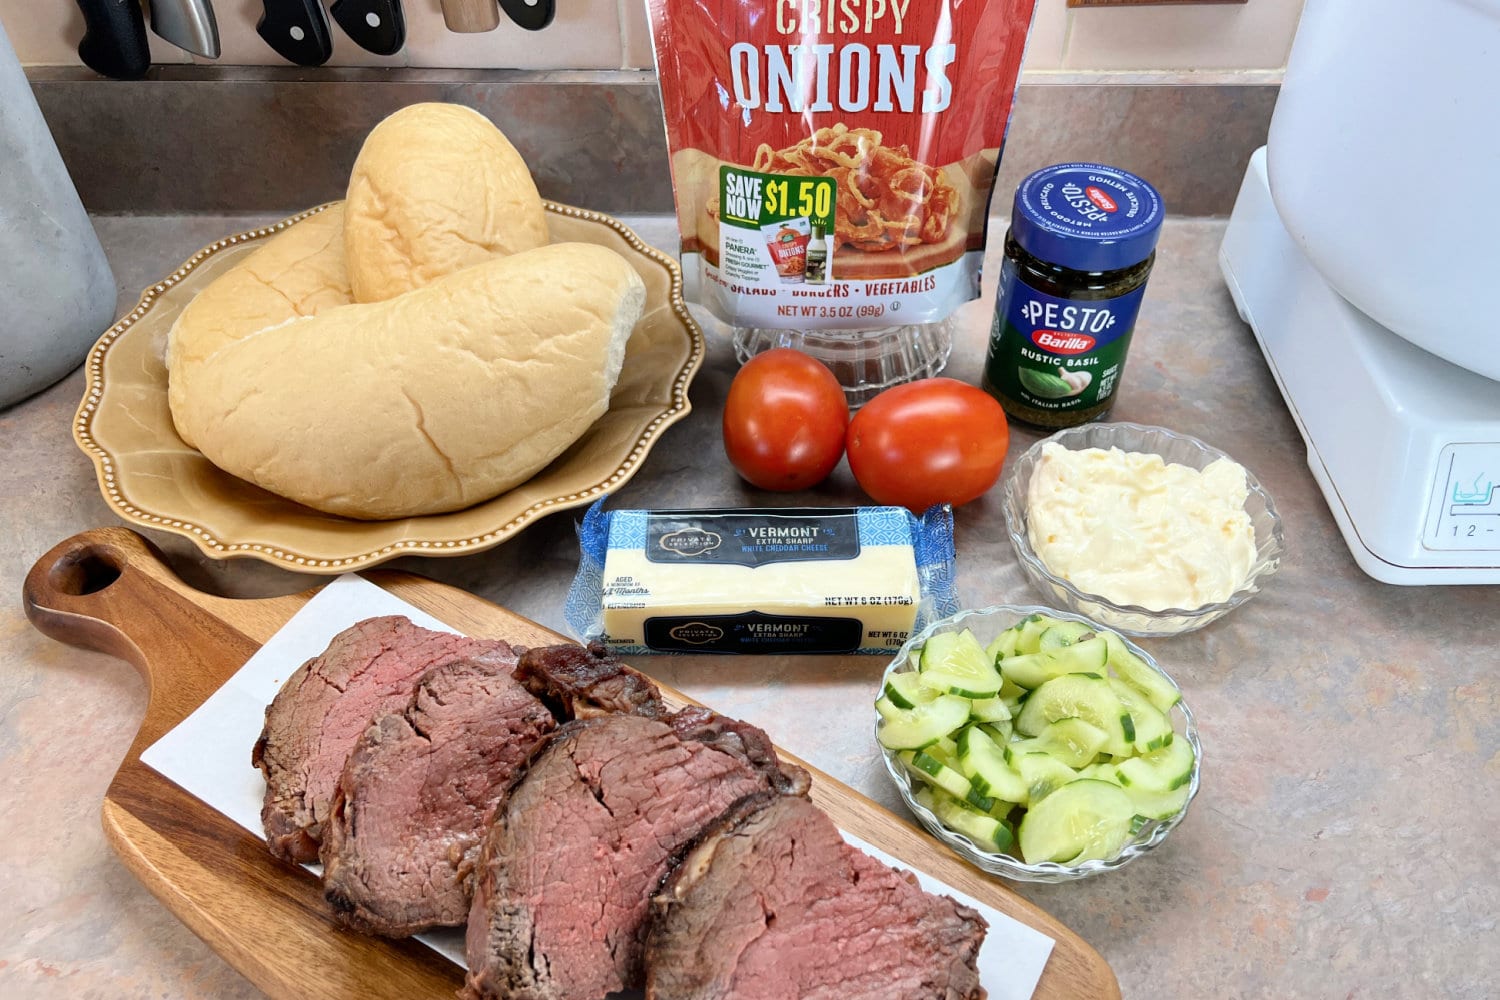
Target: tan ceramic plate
[(150, 477)]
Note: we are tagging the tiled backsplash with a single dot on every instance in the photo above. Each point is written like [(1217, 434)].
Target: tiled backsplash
[(612, 34)]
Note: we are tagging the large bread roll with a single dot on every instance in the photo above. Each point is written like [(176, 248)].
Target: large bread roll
[(436, 188), (297, 273), (429, 402)]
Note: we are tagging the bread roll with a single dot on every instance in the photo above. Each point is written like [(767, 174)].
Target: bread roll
[(436, 188), (296, 273), (429, 402)]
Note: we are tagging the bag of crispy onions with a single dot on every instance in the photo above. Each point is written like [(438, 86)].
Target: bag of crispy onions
[(833, 160)]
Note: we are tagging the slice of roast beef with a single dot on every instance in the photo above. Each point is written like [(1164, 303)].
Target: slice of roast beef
[(577, 847), (416, 793), (772, 904), (369, 669), (579, 683)]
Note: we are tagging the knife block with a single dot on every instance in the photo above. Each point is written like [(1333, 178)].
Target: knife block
[(57, 292)]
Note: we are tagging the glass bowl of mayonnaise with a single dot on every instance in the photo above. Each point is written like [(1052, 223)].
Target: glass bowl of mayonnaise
[(1139, 528)]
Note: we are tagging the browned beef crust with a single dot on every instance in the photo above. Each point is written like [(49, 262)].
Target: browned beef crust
[(580, 682)]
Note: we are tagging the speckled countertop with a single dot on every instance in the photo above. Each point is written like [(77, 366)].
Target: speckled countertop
[(1343, 844)]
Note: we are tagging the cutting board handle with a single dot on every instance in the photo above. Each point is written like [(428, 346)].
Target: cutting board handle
[(72, 593), (110, 589)]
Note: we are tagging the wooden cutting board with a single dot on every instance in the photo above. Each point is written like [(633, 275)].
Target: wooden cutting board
[(109, 590)]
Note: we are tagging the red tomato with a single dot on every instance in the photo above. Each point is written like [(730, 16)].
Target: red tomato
[(937, 440), (784, 420)]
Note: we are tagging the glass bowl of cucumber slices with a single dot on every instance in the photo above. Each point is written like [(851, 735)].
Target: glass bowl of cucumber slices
[(1174, 449), (1036, 743)]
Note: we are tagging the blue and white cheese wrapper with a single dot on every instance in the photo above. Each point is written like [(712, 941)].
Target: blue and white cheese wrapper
[(761, 580)]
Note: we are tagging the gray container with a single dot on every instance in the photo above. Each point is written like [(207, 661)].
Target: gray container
[(57, 294)]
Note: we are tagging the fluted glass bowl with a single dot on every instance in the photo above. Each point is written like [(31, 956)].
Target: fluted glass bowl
[(987, 624), (1173, 448)]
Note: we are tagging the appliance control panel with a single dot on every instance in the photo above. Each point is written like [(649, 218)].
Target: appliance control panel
[(1465, 511)]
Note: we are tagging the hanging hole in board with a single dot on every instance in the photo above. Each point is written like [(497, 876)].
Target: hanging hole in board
[(81, 573)]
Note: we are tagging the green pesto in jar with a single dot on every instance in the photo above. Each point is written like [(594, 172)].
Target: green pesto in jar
[(1080, 247)]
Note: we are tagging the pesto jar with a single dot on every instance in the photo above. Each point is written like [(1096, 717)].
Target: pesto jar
[(1080, 246)]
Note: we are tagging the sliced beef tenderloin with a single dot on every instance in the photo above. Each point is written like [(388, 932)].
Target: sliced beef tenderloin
[(581, 682), (577, 847), (771, 903), (416, 793), (369, 669)]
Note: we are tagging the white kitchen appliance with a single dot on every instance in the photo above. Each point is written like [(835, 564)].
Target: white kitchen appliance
[(1364, 251)]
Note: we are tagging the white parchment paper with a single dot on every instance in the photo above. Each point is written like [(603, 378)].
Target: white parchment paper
[(208, 754)]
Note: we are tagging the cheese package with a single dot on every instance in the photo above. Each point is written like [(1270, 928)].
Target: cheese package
[(750, 580), (876, 123)]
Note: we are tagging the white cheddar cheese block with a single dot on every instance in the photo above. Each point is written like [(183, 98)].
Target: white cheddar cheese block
[(799, 580)]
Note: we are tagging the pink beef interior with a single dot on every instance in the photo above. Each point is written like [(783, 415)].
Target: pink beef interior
[(367, 670), (578, 847), (415, 795), (774, 905)]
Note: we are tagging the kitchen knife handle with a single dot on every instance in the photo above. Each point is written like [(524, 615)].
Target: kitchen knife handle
[(471, 16), (375, 25), (297, 30), (533, 15), (114, 38)]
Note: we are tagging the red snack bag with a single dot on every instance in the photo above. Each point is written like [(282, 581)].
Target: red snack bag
[(879, 122)]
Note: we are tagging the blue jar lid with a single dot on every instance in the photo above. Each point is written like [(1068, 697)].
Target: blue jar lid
[(1087, 217)]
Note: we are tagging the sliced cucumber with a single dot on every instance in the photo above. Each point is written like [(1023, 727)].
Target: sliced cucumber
[(1103, 772), (985, 831), (1157, 805), (1003, 646), (1029, 633), (956, 663), (1139, 674), (1072, 741), (1001, 732), (983, 761), (907, 690), (989, 710), (1012, 694), (1083, 696), (983, 803), (930, 795), (1042, 773), (925, 724), (1149, 803), (1162, 770), (1010, 690), (1080, 821), (927, 767), (1152, 729), (1063, 634), (1032, 670), (1097, 760), (945, 749)]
